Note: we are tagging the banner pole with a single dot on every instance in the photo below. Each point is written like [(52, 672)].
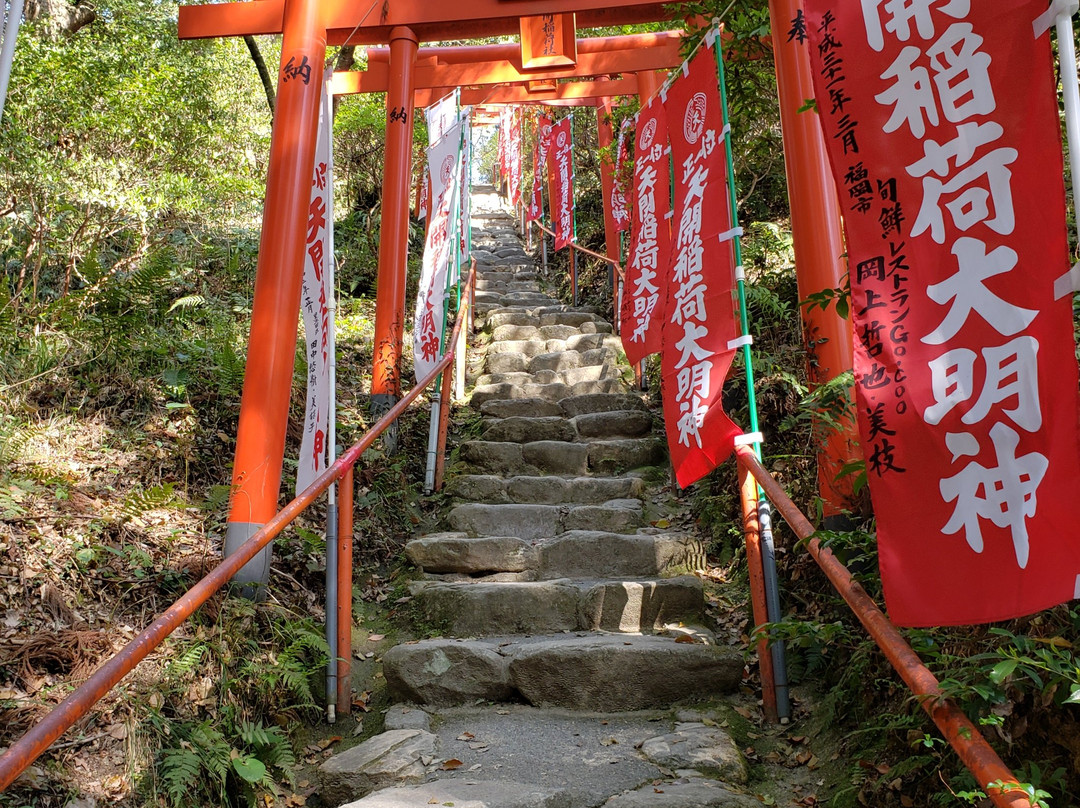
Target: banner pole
[(573, 218), (1071, 92), (768, 551), (332, 549)]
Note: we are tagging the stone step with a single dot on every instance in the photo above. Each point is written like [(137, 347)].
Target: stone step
[(593, 671), (571, 406), (532, 522), (547, 490), (605, 457), (466, 794), (557, 391), (609, 424), (490, 608), (646, 553)]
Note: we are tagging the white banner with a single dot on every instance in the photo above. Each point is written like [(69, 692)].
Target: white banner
[(442, 236), (466, 191), (315, 303)]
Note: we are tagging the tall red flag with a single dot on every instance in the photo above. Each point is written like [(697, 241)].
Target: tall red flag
[(642, 310), (562, 166), (513, 157), (700, 323), (543, 141), (619, 212), (942, 125)]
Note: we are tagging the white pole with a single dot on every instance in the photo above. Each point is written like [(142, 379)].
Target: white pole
[(332, 560), (1070, 281), (7, 50)]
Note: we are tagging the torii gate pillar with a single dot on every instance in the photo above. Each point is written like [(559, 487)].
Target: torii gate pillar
[(264, 402), (394, 231), (818, 240)]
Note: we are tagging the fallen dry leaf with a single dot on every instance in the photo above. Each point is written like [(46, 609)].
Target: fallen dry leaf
[(376, 637), (450, 765), (685, 638), (465, 736)]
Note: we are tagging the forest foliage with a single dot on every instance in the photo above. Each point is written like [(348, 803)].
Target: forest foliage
[(131, 180)]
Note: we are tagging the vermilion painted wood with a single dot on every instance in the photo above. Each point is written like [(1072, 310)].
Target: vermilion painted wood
[(376, 79), (452, 54), (574, 93), (534, 39), (394, 231), (359, 23), (344, 593), (264, 403), (818, 243)]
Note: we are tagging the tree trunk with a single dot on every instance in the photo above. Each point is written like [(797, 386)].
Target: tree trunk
[(346, 58), (264, 74), (59, 16)]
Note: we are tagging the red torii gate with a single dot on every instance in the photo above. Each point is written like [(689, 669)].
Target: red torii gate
[(307, 27)]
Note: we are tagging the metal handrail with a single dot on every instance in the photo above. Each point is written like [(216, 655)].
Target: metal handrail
[(575, 246), (964, 737), (39, 737)]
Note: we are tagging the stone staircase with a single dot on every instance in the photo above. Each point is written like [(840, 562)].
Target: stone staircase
[(567, 626)]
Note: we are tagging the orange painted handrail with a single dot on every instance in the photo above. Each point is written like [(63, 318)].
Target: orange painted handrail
[(575, 246), (964, 737), (39, 737)]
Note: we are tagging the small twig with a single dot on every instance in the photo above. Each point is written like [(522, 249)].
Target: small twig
[(78, 741)]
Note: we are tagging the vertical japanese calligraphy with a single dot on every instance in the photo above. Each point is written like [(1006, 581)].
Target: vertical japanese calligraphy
[(642, 311), (315, 306), (619, 211), (700, 322), (543, 141), (439, 248), (513, 157), (942, 124), (562, 167)]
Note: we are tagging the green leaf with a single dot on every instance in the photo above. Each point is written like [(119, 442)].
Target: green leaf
[(1003, 670), (249, 768), (810, 104), (1074, 696)]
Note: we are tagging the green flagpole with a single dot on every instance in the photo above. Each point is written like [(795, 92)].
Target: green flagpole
[(772, 591)]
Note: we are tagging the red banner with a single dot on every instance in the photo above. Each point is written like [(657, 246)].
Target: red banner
[(562, 168), (942, 125), (619, 211), (513, 158), (642, 309), (535, 210), (700, 323)]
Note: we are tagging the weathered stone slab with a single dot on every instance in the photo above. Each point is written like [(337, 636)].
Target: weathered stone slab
[(444, 672), (514, 332), (525, 430), (614, 423), (585, 342), (521, 407), (710, 750), (528, 347), (602, 386), (526, 522), (495, 609), (391, 758), (515, 379), (520, 318), (599, 356), (618, 456), (571, 318), (601, 402), (642, 605), (477, 488), (604, 517), (471, 556), (556, 457), (493, 392), (467, 794), (621, 672), (539, 490), (591, 490), (597, 554), (597, 327), (697, 793), (561, 332), (589, 373), (493, 457), (505, 363), (563, 360)]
